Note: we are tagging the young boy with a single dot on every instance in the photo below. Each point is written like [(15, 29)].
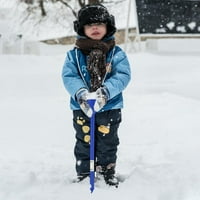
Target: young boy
[(96, 65)]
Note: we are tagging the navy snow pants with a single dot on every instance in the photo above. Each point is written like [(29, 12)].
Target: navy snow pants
[(106, 138)]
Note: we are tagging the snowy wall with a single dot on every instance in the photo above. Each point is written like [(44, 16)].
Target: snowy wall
[(168, 17)]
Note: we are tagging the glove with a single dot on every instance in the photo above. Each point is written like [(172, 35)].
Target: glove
[(102, 96), (82, 96)]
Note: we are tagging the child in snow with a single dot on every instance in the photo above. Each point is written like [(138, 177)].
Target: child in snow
[(96, 65)]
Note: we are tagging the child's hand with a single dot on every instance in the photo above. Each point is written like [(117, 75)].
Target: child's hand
[(82, 96), (102, 96)]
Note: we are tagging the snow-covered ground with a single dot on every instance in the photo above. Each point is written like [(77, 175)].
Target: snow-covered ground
[(159, 134), (160, 141)]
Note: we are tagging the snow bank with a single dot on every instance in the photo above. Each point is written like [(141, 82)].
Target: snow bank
[(159, 134)]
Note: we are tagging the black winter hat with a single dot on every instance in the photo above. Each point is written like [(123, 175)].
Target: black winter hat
[(93, 14)]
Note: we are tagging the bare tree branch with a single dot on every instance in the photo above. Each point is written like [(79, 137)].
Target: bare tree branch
[(66, 4), (41, 5)]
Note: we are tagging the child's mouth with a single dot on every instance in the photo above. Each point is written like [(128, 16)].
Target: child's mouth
[(95, 33)]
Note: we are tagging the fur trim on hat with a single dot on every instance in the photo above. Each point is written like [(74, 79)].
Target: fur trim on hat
[(93, 14)]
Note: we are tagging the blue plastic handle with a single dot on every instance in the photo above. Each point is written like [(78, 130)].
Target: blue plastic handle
[(91, 102)]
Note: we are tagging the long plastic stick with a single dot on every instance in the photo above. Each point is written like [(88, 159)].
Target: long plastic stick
[(92, 145)]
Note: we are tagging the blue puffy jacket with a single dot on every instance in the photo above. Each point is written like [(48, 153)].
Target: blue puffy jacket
[(75, 76)]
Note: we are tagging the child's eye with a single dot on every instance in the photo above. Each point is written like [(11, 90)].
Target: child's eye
[(100, 24), (96, 24)]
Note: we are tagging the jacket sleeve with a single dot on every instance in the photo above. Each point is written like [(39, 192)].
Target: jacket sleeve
[(71, 76), (120, 74)]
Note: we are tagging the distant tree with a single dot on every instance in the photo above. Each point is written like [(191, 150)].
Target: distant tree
[(81, 3), (65, 2), (27, 1), (40, 4), (35, 4)]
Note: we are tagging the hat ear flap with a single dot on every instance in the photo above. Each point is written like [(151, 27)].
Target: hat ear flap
[(111, 29), (112, 20), (76, 26)]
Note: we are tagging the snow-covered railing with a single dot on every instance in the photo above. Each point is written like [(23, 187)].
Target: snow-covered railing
[(16, 44), (11, 44), (1, 44)]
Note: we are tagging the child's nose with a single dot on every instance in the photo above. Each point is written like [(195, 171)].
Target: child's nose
[(94, 25)]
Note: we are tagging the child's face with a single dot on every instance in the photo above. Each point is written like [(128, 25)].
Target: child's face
[(95, 31)]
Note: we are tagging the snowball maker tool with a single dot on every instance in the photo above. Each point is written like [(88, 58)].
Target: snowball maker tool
[(91, 102)]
